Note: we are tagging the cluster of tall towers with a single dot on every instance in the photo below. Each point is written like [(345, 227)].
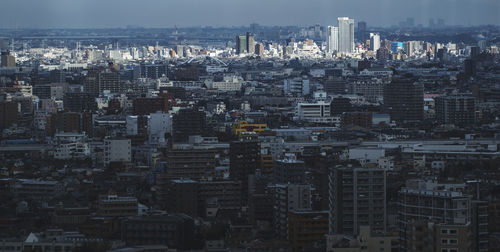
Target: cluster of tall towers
[(341, 38), (245, 43)]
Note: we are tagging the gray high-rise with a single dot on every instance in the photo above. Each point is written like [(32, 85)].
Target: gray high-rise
[(357, 197), (346, 34), (332, 39)]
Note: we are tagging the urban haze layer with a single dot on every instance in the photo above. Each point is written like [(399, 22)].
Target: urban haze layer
[(347, 137)]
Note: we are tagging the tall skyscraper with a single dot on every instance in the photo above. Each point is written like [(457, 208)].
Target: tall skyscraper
[(332, 41), (7, 60), (362, 31), (245, 43), (346, 35), (241, 44), (374, 41), (250, 46)]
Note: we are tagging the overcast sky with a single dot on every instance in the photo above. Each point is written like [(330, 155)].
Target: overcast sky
[(167, 13)]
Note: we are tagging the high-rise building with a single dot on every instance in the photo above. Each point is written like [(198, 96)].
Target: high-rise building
[(114, 206), (332, 43), (297, 86), (190, 162), (250, 46), (289, 197), (426, 235), (374, 41), (7, 60), (117, 150), (306, 227), (8, 114), (428, 201), (79, 102), (99, 80), (241, 44), (362, 31), (153, 71), (259, 49), (404, 100), (346, 35), (459, 110), (244, 160), (289, 170), (148, 105), (182, 197), (357, 197), (188, 122)]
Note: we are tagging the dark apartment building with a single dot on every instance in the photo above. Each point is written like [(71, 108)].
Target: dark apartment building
[(404, 100)]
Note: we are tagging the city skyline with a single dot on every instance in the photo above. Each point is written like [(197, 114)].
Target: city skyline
[(153, 14)]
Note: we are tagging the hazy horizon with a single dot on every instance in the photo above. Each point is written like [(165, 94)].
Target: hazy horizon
[(227, 13)]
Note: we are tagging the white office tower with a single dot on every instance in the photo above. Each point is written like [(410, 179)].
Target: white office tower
[(346, 34), (374, 41), (332, 42)]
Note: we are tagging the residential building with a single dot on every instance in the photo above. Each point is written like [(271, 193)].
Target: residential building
[(117, 150), (357, 197)]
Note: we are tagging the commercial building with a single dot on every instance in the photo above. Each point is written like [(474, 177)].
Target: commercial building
[(374, 41), (245, 126), (245, 44), (346, 35), (332, 42), (318, 112)]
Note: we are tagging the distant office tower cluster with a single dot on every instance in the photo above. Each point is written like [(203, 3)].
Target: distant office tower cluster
[(245, 44), (341, 38)]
